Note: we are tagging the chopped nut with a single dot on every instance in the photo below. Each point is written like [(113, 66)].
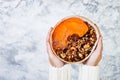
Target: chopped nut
[(86, 46), (86, 55), (91, 31), (63, 55), (73, 48), (81, 56), (73, 52)]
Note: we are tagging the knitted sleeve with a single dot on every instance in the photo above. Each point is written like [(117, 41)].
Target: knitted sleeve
[(62, 73)]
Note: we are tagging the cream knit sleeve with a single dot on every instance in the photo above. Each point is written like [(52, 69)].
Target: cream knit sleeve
[(88, 72), (62, 73)]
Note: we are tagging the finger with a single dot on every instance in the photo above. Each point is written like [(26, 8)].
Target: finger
[(98, 51), (48, 41), (48, 35), (99, 47)]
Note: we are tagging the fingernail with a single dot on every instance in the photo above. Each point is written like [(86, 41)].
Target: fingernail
[(51, 28), (101, 36)]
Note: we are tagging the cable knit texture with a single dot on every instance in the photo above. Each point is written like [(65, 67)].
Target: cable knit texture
[(88, 72), (64, 73)]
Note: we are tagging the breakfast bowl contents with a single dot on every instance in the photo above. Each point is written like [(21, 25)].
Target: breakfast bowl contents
[(74, 39)]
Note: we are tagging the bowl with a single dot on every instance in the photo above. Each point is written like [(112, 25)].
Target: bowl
[(73, 25)]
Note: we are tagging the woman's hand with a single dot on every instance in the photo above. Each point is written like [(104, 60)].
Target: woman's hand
[(54, 61), (96, 56)]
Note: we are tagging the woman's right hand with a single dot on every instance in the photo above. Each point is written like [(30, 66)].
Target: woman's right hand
[(96, 56)]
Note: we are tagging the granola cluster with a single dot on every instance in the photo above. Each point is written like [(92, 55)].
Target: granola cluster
[(78, 47)]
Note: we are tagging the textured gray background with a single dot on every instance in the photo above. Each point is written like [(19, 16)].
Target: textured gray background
[(24, 25)]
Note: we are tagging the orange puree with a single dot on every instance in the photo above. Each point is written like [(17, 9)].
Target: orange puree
[(66, 28)]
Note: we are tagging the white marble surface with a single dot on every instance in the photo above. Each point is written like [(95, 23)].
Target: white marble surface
[(24, 25)]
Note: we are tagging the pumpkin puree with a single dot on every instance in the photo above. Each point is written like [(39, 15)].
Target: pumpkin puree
[(66, 28)]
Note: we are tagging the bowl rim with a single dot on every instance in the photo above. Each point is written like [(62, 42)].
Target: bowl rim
[(97, 31)]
